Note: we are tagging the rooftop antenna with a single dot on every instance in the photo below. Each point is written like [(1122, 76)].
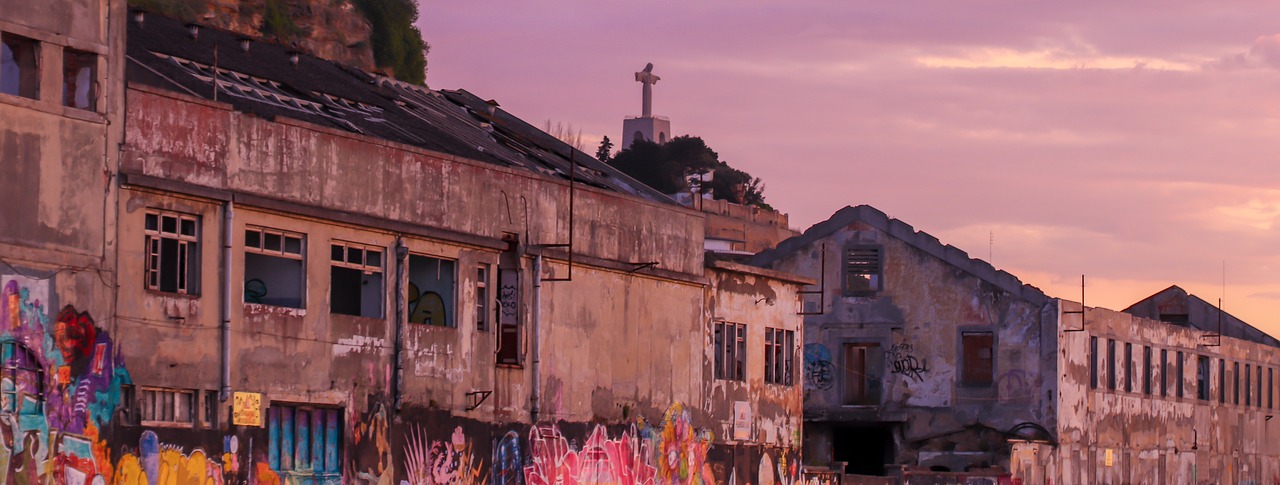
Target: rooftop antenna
[(1081, 312)]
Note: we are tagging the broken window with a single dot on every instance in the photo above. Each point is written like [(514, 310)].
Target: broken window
[(1164, 372), (779, 359), (1202, 378), (863, 368), (431, 290), (355, 279), (173, 257), (979, 358), (167, 406), (19, 66), (508, 317), (862, 271), (731, 351), (1128, 367), (1111, 364), (1146, 369), (1093, 362), (482, 297), (303, 442), (274, 267), (79, 79), (1222, 381), (21, 380)]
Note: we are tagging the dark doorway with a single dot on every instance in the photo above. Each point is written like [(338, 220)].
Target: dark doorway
[(866, 449)]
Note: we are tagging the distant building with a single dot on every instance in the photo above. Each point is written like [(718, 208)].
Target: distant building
[(1173, 305), (646, 127)]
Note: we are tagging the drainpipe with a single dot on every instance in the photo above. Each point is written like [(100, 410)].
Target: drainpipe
[(537, 307), (397, 374), (224, 392)]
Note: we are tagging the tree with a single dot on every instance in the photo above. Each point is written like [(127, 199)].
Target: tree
[(397, 43), (605, 152), (668, 167), (564, 132)]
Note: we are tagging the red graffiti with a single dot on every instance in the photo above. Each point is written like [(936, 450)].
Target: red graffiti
[(601, 460), (74, 334)]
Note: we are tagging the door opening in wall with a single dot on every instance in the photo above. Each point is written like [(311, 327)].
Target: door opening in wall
[(866, 449)]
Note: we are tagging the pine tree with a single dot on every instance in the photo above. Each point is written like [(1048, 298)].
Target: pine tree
[(605, 152)]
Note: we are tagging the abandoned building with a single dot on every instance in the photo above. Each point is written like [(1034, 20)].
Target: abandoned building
[(920, 358), (322, 275)]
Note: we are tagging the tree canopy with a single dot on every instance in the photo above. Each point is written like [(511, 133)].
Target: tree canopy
[(397, 43), (668, 168)]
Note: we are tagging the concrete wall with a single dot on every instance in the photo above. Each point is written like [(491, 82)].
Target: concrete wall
[(1153, 438), (57, 263), (931, 295), (623, 380)]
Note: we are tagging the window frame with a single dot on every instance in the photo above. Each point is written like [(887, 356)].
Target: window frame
[(483, 308), (283, 253), (779, 356), (188, 254), (365, 269), (94, 89), (146, 412), (968, 376), (10, 370), (730, 359), (449, 301), (849, 267), (31, 82)]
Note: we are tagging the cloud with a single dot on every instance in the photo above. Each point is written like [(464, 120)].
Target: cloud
[(1263, 54)]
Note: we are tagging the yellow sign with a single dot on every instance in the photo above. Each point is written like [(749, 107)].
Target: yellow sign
[(1111, 457), (246, 409)]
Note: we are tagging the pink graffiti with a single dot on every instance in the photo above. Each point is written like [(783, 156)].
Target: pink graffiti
[(601, 461)]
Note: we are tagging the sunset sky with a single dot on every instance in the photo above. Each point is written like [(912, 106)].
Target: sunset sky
[(1133, 142)]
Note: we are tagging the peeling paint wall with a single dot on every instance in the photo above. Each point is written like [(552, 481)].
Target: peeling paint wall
[(902, 347), (1116, 436)]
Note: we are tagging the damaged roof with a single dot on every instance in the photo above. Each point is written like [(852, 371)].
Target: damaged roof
[(269, 80)]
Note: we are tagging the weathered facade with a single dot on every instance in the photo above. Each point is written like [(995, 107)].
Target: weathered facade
[(1144, 401), (915, 354), (327, 276), (60, 123)]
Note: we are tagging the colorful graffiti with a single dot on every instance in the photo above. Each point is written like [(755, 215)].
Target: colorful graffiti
[(441, 462), (819, 373), (62, 383)]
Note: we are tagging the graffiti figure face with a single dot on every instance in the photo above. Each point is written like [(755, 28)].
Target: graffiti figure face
[(74, 334)]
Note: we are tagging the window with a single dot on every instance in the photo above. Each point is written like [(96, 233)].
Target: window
[(779, 359), (1164, 372), (274, 267), (1146, 369), (731, 351), (431, 284), (304, 441), (19, 66), (22, 386), (1111, 364), (1181, 380), (508, 317), (173, 256), (1093, 362), (355, 279), (167, 406), (1202, 378), (862, 271), (482, 297), (1175, 318), (1258, 400), (1128, 367), (979, 359), (1222, 381), (863, 367), (1270, 389), (1248, 395), (1235, 374), (79, 79)]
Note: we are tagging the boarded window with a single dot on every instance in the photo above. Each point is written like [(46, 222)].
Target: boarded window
[(431, 290), (79, 79), (274, 267), (1202, 378), (19, 66), (508, 317), (979, 358), (303, 442), (779, 356), (863, 270), (355, 279), (730, 340), (863, 368), (172, 252)]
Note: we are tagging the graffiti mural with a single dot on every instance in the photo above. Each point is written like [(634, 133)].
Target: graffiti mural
[(441, 462), (62, 384), (903, 362), (819, 373), (507, 469)]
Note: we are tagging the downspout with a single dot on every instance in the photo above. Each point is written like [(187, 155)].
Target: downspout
[(535, 391), (397, 355), (228, 214)]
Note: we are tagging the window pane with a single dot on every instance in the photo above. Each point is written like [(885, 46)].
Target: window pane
[(335, 253), (169, 224), (373, 258), (79, 79), (153, 222), (19, 69), (188, 227), (293, 245), (252, 239), (271, 242)]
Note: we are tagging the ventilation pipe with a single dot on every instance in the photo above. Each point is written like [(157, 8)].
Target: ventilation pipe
[(224, 391), (535, 391)]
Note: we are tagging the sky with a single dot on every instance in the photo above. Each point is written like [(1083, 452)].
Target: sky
[(1135, 142)]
